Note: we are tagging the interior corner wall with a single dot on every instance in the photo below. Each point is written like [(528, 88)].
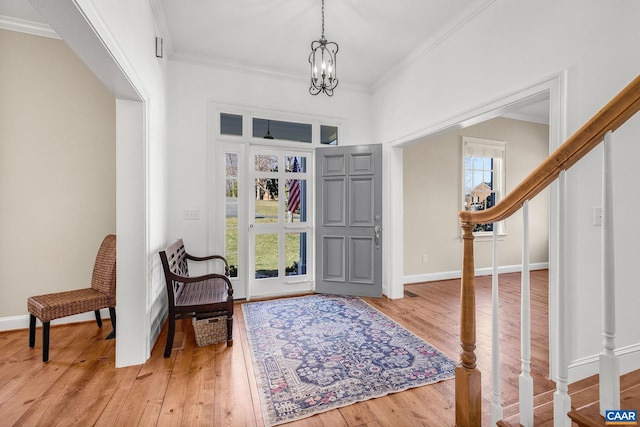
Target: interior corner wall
[(432, 194), (57, 170), (127, 30), (509, 46)]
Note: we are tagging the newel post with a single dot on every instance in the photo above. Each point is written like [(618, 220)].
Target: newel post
[(468, 384)]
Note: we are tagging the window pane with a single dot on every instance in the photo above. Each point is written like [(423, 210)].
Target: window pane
[(231, 209), (266, 255), (479, 186), (296, 200), (266, 194), (275, 129), (230, 124), (232, 164), (296, 253), (295, 164), (231, 246), (231, 188), (266, 163), (328, 135)]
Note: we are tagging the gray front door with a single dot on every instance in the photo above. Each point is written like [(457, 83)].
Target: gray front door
[(349, 220)]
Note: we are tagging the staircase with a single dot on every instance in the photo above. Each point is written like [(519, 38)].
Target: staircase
[(570, 404), (585, 404)]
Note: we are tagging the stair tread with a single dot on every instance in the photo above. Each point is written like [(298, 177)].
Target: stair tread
[(584, 397)]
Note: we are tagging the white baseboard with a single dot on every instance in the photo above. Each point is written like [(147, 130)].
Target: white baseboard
[(22, 322), (588, 366), (446, 275)]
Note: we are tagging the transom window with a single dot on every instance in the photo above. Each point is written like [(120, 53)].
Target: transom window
[(483, 177)]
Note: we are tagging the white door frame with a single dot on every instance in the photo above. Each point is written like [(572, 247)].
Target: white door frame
[(555, 87)]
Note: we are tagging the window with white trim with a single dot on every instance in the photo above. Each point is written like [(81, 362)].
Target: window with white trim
[(483, 164)]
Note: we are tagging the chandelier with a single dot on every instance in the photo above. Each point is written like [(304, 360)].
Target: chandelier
[(323, 64)]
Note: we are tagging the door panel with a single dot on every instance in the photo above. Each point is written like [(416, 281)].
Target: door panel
[(349, 214), (333, 252), (362, 202), (334, 191), (361, 260)]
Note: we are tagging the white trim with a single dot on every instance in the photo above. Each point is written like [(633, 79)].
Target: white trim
[(226, 64), (552, 88), (450, 28), (526, 118), (587, 366), (456, 274), (29, 27)]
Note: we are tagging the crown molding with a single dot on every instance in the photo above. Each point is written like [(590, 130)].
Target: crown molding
[(255, 70), (527, 118), (25, 26), (458, 21)]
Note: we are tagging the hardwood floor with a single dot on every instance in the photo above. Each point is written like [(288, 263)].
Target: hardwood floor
[(215, 385)]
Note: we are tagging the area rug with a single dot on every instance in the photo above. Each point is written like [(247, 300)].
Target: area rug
[(316, 353)]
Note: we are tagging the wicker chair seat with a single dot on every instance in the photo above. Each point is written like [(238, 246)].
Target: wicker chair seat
[(61, 304)]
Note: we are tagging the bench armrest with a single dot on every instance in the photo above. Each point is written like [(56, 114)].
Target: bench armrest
[(207, 258)]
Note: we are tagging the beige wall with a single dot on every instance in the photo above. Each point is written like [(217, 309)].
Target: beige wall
[(432, 181), (57, 169)]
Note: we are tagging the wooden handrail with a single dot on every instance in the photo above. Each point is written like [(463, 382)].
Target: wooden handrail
[(609, 118)]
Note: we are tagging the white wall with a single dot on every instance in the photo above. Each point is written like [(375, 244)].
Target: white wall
[(129, 31), (512, 45), (432, 182), (193, 91)]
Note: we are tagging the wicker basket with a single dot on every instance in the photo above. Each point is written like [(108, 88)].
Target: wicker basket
[(210, 331)]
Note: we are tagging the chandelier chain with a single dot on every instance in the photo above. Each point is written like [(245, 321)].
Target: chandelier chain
[(322, 18)]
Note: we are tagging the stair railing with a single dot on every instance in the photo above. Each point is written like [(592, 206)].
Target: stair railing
[(468, 378)]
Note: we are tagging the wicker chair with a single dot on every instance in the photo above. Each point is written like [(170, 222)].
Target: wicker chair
[(101, 294)]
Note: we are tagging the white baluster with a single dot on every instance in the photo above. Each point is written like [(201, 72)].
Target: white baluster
[(496, 407), (525, 380), (609, 363), (561, 398)]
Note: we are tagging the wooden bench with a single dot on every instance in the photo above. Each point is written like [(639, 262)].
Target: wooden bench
[(205, 296)]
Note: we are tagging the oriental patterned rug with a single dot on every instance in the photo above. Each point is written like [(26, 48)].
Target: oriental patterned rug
[(316, 353)]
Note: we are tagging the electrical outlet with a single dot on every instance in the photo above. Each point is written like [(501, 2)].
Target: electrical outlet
[(425, 258), (191, 214)]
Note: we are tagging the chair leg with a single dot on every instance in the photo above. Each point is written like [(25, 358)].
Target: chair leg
[(98, 318), (112, 314), (45, 341), (32, 330), (171, 330), (229, 330)]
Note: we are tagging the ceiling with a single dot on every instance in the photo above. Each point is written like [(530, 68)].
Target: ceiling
[(376, 37), (274, 36)]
